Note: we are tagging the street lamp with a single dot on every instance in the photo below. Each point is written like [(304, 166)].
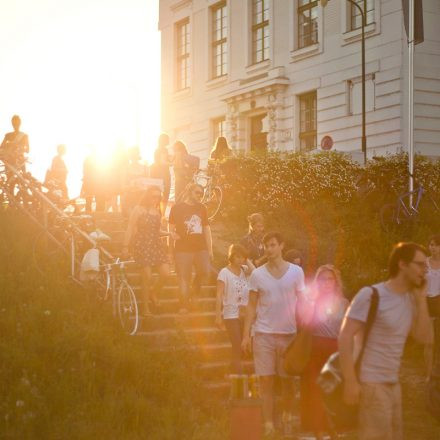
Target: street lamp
[(363, 16)]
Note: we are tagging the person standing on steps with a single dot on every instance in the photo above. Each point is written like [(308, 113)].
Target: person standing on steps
[(189, 219), (402, 310), (58, 171), (274, 291), (253, 241), (143, 240), (160, 169), (326, 308), (433, 294), (15, 145), (232, 299)]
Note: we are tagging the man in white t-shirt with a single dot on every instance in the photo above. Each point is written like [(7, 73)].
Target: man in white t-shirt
[(274, 290), (402, 310)]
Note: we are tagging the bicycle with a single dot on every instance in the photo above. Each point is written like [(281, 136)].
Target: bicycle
[(212, 195), (406, 208), (123, 296)]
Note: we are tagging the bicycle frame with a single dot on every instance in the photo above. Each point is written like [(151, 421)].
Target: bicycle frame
[(409, 209)]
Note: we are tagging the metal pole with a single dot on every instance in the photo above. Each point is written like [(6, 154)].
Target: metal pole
[(411, 96), (364, 134)]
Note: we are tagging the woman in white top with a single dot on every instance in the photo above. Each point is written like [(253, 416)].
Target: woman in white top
[(433, 294), (232, 299)]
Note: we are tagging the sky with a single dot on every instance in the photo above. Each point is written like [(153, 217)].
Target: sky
[(84, 73)]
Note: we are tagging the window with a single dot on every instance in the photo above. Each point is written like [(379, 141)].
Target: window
[(356, 17), (307, 121), (219, 40), (183, 49), (307, 23), (219, 128), (260, 31)]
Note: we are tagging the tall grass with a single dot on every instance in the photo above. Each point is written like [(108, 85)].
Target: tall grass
[(67, 370)]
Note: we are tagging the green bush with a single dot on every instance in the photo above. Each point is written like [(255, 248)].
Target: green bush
[(328, 206), (68, 371)]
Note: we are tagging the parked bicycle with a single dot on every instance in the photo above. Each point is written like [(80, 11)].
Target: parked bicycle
[(112, 279), (212, 196), (407, 207)]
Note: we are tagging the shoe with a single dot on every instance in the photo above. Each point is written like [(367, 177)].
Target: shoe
[(269, 429)]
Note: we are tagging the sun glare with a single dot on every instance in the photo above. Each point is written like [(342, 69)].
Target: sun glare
[(86, 73)]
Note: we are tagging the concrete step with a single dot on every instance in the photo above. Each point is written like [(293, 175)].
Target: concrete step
[(169, 292), (175, 321), (197, 336), (215, 372)]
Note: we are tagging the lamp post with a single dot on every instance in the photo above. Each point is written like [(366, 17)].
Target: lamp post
[(363, 13)]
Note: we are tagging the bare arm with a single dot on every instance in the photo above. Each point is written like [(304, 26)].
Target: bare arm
[(132, 228), (422, 330), (208, 238), (350, 328), (219, 302), (173, 236), (251, 313)]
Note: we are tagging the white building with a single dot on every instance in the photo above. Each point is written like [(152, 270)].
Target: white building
[(282, 74)]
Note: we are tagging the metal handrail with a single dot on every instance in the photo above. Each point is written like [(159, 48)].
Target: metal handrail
[(57, 210)]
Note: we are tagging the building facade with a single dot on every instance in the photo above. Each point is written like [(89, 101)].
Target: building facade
[(281, 75)]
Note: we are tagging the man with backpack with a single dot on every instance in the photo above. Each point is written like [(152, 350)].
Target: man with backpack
[(402, 310), (15, 144)]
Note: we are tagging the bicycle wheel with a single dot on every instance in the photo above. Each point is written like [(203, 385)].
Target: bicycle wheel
[(213, 201), (388, 218), (102, 285), (127, 308)]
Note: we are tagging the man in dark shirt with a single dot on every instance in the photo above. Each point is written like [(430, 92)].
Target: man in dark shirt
[(15, 144), (189, 219)]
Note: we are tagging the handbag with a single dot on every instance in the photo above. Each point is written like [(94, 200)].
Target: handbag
[(331, 381)]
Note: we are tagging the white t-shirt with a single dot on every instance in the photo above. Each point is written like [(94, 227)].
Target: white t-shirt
[(236, 292), (433, 279), (276, 299), (385, 344)]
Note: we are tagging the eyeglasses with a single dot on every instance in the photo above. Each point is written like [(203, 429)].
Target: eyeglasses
[(421, 264)]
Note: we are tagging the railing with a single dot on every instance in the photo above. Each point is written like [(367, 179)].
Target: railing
[(47, 206)]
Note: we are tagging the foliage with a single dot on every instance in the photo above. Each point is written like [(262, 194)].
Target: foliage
[(328, 206), (67, 371)]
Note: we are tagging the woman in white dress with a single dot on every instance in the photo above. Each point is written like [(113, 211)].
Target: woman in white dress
[(232, 299)]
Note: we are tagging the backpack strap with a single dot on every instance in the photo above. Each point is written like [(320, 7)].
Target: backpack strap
[(372, 312)]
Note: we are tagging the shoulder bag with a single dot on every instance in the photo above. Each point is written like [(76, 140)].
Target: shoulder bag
[(331, 380)]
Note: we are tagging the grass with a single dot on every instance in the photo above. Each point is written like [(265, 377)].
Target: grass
[(67, 370)]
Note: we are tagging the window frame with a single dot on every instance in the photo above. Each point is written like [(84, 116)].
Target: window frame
[(184, 58), (264, 25), (308, 133), (299, 10), (224, 65), (354, 13)]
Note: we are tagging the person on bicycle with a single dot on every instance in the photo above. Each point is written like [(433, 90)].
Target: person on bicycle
[(15, 145), (144, 239), (189, 219)]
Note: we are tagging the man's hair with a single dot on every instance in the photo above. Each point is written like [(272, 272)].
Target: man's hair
[(278, 237), (403, 252)]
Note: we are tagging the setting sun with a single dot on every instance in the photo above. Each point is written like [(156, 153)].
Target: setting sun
[(83, 73)]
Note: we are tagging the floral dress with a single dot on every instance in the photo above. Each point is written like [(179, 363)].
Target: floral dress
[(148, 247)]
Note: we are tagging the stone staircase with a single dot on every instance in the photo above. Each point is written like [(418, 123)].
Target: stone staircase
[(167, 328)]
